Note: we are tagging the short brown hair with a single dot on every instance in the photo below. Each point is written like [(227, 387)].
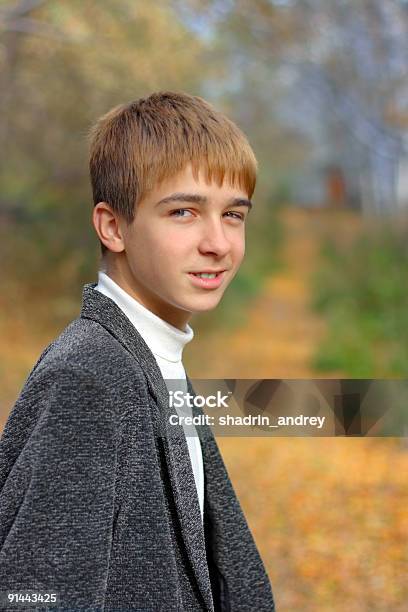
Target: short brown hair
[(137, 145)]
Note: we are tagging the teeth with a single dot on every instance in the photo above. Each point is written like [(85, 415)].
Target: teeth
[(205, 275)]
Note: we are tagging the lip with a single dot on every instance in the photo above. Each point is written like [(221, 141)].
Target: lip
[(207, 271), (207, 283)]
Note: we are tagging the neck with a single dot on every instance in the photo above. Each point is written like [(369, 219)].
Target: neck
[(118, 270)]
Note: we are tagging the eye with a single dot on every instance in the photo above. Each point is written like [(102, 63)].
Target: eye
[(236, 215), (179, 212)]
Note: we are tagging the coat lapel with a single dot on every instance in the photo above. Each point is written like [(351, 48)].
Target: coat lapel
[(102, 309), (239, 577)]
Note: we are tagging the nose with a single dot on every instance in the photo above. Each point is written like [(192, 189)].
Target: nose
[(214, 240)]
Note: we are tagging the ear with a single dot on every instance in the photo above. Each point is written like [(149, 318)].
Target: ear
[(107, 226)]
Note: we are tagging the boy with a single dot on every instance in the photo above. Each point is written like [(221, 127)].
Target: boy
[(97, 506)]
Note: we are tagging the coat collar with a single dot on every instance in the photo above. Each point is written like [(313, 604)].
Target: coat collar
[(104, 311)]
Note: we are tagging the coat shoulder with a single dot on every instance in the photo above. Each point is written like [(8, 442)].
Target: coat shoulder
[(85, 345), (85, 359), (84, 376)]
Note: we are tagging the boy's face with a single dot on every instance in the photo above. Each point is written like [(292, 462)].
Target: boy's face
[(182, 228)]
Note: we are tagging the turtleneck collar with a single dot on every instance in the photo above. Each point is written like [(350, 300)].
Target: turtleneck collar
[(163, 339)]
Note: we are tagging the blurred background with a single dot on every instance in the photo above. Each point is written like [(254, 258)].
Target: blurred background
[(320, 87)]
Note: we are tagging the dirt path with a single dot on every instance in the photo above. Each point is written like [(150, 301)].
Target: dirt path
[(282, 331)]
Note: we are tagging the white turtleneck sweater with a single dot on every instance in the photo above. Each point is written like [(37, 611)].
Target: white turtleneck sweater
[(166, 343)]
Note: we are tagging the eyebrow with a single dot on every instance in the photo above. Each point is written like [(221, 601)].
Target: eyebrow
[(195, 198)]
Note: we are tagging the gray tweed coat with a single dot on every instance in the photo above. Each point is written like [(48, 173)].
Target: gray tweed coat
[(97, 505)]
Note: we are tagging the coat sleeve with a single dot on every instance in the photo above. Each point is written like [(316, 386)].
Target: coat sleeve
[(57, 499)]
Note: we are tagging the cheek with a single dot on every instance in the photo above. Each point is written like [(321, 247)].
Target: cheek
[(141, 254), (175, 246), (238, 248), (161, 253), (172, 249)]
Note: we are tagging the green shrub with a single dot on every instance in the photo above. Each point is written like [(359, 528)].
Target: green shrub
[(362, 290)]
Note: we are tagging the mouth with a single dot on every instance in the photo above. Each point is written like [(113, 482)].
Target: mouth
[(207, 279), (207, 273)]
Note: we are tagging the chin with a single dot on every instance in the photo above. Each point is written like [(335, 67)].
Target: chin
[(204, 304)]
